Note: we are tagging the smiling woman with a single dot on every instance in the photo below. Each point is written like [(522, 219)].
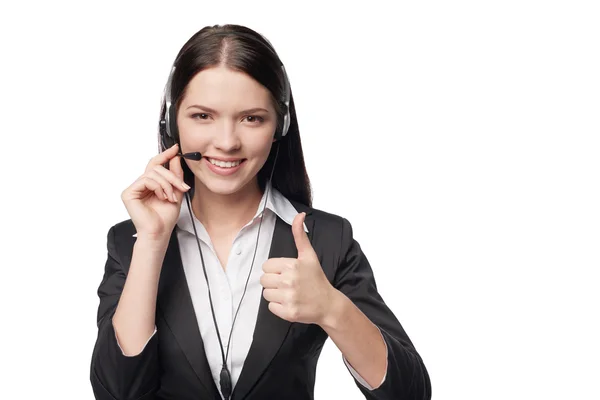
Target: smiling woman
[(251, 323)]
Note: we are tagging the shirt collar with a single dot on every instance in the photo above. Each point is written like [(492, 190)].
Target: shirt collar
[(276, 202)]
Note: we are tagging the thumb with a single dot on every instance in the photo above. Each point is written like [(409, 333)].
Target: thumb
[(300, 237)]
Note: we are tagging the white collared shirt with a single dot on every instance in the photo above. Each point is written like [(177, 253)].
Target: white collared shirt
[(227, 285)]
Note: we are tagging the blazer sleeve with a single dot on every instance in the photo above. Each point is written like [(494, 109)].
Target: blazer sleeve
[(113, 375), (406, 377)]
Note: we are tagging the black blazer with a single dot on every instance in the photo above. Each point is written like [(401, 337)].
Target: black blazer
[(282, 359)]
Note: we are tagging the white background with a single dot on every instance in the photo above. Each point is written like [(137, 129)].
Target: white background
[(461, 140)]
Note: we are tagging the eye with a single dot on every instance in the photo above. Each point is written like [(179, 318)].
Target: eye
[(201, 115), (254, 119)]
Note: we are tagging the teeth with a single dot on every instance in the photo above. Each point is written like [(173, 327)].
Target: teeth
[(225, 164)]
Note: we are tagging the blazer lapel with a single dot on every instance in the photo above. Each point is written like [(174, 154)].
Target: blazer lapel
[(176, 305), (270, 330)]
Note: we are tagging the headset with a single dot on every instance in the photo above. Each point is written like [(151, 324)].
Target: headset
[(169, 132), (169, 135)]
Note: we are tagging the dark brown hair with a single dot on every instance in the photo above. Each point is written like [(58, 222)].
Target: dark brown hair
[(242, 49)]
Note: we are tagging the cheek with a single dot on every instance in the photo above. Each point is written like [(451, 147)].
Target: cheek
[(193, 141), (192, 137), (259, 146)]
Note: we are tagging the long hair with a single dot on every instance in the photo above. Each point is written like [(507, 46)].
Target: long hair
[(242, 49)]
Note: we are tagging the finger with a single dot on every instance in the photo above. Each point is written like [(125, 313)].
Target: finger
[(171, 177), (274, 295), (164, 183), (300, 237), (163, 157), (142, 185), (175, 167), (270, 281), (276, 265)]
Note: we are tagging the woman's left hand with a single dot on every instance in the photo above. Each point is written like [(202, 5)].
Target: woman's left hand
[(297, 288)]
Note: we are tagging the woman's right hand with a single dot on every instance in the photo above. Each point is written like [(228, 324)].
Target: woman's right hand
[(149, 200)]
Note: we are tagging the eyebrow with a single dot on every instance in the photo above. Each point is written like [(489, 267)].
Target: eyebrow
[(208, 109)]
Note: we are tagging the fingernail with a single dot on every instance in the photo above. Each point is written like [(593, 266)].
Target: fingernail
[(174, 145), (185, 185)]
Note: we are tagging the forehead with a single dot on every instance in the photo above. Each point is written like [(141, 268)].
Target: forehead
[(221, 86)]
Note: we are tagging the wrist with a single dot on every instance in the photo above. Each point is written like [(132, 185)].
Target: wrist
[(334, 311), (152, 243)]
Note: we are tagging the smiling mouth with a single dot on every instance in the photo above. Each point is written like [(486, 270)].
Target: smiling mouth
[(225, 164)]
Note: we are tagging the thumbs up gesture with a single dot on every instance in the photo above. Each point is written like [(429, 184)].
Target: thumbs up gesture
[(297, 288)]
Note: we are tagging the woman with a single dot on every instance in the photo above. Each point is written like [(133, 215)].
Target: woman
[(233, 294)]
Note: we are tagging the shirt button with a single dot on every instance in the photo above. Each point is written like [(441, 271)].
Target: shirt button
[(238, 251)]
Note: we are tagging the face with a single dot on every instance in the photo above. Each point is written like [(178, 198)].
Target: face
[(230, 119)]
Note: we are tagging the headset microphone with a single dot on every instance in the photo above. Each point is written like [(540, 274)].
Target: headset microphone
[(195, 156)]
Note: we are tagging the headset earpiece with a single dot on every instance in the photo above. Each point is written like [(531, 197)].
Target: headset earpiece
[(168, 125), (286, 101), (166, 140)]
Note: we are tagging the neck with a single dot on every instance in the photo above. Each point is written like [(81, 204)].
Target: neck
[(225, 212)]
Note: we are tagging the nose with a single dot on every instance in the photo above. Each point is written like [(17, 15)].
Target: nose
[(226, 138)]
